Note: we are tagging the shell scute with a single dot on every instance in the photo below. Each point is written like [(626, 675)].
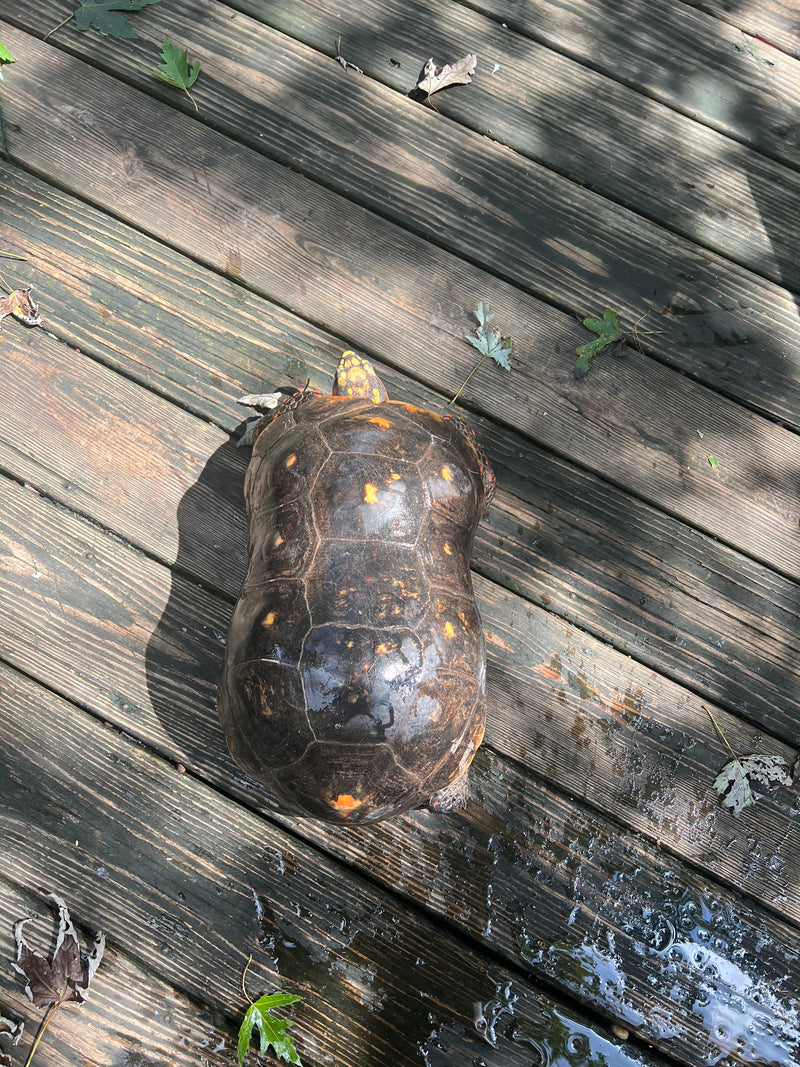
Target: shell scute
[(367, 584), (273, 727), (270, 623), (357, 683), (367, 497)]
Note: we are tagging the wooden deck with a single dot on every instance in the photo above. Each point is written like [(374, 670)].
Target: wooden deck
[(595, 899)]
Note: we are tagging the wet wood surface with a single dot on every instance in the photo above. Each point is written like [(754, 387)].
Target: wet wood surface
[(596, 900)]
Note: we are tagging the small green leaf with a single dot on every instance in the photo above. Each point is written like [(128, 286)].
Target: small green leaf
[(488, 342), (175, 70), (713, 461), (608, 332), (5, 55), (271, 1030)]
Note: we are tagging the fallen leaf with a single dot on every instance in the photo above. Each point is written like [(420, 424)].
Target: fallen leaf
[(175, 70), (22, 306), (345, 63), (435, 78), (10, 1033), (271, 1030), (105, 18), (713, 461), (67, 976), (733, 784), (608, 332), (488, 342), (5, 57)]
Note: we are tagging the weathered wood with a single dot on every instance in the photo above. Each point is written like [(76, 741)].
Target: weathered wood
[(617, 406), (775, 21), (533, 858), (709, 316), (692, 61), (595, 858), (132, 1016), (236, 884), (700, 613), (572, 119), (625, 739)]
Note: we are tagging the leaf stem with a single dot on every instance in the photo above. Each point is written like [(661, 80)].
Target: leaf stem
[(12, 255), (718, 728), (50, 34), (244, 976), (50, 1013), (464, 383)]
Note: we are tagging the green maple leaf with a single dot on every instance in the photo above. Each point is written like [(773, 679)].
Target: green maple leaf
[(271, 1030), (175, 70), (608, 333), (103, 16)]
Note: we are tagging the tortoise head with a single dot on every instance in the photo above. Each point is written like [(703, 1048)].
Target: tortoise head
[(356, 377)]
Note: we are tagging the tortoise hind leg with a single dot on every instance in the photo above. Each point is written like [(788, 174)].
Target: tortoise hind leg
[(453, 797)]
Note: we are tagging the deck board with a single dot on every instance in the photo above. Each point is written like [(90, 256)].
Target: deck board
[(595, 897)]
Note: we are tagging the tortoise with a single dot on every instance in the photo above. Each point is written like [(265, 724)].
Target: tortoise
[(354, 678)]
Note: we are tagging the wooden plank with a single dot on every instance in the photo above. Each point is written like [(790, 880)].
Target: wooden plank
[(626, 740), (131, 1017), (561, 893), (187, 884), (602, 135), (700, 613), (528, 225), (690, 60), (749, 501), (775, 21)]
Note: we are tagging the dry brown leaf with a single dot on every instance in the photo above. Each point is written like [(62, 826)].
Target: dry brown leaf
[(22, 306), (435, 78)]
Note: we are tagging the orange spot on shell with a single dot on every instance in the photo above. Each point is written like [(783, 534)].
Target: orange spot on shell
[(291, 460), (344, 803), (447, 549), (370, 493), (448, 629), (268, 619), (384, 424), (447, 474)]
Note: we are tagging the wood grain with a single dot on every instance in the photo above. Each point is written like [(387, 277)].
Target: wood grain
[(234, 885), (624, 739), (715, 321), (675, 599), (694, 58), (616, 408), (132, 1016), (546, 107)]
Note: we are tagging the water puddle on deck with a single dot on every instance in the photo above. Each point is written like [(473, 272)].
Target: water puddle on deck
[(644, 942)]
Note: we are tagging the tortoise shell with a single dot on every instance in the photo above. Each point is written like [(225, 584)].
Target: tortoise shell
[(354, 680)]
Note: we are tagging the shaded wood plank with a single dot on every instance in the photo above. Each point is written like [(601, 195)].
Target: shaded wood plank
[(528, 225), (510, 874), (687, 606), (602, 135), (618, 735), (775, 21), (750, 500), (192, 883), (132, 1017), (686, 58)]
